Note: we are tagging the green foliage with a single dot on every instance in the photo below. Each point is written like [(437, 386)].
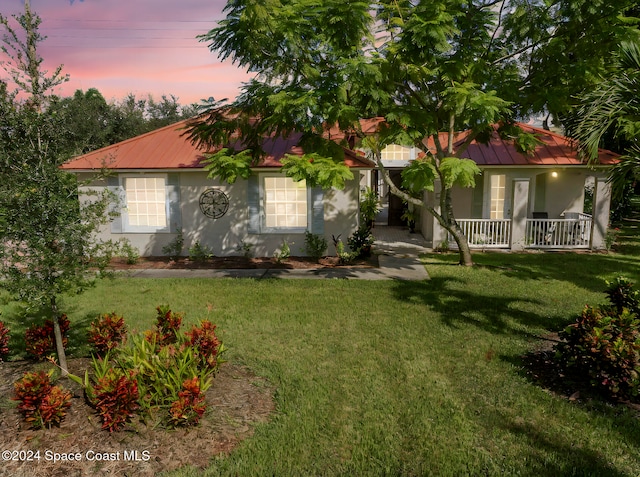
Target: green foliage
[(41, 404), (166, 372), (246, 248), (106, 332), (621, 295), (130, 253), (317, 170), (49, 238), (314, 245), (361, 241), (410, 216), (611, 109), (344, 257), (419, 175), (174, 248), (227, 165), (284, 253), (199, 253), (604, 343), (425, 67), (461, 172), (369, 207)]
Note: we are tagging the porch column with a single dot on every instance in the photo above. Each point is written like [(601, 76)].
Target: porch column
[(520, 205), (601, 206)]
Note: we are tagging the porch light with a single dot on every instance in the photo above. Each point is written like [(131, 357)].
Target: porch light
[(554, 174)]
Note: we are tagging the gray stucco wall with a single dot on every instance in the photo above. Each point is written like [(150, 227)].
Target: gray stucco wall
[(225, 234)]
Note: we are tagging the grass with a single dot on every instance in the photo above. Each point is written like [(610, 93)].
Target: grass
[(403, 378)]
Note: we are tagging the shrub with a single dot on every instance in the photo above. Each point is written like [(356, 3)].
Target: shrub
[(40, 339), (622, 295), (167, 326), (314, 245), (41, 404), (161, 372), (204, 340), (115, 397), (107, 331), (171, 371), (369, 208), (604, 343), (199, 253), (130, 253), (284, 253), (246, 248), (361, 242), (188, 409), (4, 341), (174, 248), (344, 257)]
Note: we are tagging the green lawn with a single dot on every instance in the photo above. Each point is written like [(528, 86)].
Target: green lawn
[(399, 378)]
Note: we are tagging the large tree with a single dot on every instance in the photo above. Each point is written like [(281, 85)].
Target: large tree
[(612, 111), (431, 69), (24, 65), (47, 236), (562, 48)]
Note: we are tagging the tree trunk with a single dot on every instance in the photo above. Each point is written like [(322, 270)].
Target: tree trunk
[(62, 357), (463, 246), (445, 218), (451, 225)]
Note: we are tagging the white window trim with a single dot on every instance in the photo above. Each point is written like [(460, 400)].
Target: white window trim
[(126, 227), (263, 215)]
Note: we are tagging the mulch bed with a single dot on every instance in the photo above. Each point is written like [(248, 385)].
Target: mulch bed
[(230, 263), (237, 400)]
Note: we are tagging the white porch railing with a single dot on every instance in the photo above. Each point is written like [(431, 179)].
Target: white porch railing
[(567, 233), (485, 233), (559, 233)]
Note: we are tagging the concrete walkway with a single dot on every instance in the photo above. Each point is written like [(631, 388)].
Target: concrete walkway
[(397, 252)]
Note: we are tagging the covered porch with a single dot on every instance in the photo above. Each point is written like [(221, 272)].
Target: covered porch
[(571, 232), (569, 228)]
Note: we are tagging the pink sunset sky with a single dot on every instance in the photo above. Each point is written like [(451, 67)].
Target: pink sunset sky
[(133, 46)]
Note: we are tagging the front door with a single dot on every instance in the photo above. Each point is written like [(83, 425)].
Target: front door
[(396, 205)]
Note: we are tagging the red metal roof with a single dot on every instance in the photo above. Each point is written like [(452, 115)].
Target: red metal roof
[(166, 148), (554, 150)]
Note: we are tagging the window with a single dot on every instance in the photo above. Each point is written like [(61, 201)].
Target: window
[(277, 204), (394, 152), (498, 189), (146, 201), (285, 203)]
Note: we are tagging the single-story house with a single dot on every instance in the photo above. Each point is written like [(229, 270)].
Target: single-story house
[(550, 199), (164, 189)]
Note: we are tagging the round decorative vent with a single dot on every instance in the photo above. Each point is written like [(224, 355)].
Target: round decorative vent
[(214, 203)]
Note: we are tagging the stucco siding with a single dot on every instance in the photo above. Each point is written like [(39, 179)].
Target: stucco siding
[(224, 235)]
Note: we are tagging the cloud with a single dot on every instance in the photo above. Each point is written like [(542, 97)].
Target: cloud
[(147, 46)]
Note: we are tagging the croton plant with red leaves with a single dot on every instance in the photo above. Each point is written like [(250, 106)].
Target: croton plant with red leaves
[(41, 404), (40, 339)]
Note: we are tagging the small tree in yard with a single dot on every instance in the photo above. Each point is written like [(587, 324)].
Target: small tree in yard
[(47, 236)]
